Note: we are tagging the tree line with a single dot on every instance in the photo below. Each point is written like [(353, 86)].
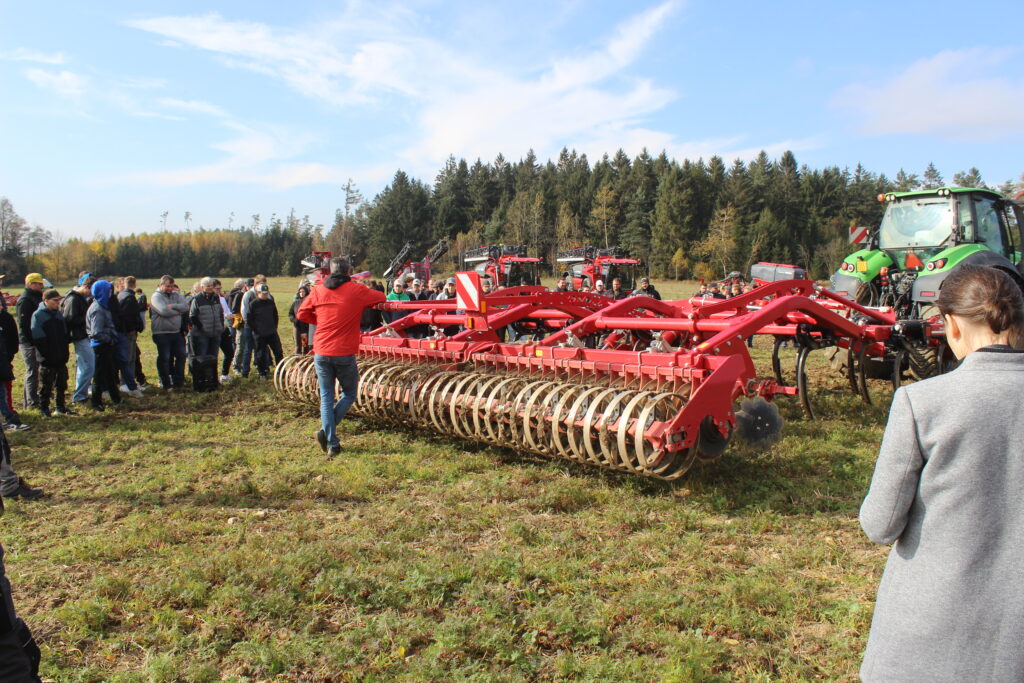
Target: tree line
[(689, 219)]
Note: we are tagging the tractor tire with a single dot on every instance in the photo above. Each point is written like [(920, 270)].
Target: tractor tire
[(922, 362)]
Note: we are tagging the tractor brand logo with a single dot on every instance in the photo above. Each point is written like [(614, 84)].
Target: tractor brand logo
[(858, 234), (467, 291)]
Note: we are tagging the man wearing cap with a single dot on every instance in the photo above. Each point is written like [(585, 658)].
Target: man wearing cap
[(28, 303), (647, 289), (262, 321), (418, 293), (50, 336), (74, 308), (599, 288), (335, 309), (397, 293)]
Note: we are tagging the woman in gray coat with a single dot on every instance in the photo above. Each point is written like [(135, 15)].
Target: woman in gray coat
[(948, 488)]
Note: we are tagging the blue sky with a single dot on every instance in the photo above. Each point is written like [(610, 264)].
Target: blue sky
[(114, 114)]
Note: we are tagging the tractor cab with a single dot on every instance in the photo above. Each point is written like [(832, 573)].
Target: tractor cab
[(522, 272), (926, 223), (924, 235), (624, 269)]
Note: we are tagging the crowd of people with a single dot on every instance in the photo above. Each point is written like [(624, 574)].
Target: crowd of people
[(102, 322)]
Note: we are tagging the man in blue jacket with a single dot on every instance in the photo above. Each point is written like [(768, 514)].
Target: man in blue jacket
[(100, 326)]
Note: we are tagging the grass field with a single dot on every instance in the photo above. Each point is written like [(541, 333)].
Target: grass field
[(205, 537)]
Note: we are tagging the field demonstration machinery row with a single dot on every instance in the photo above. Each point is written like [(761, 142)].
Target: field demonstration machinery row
[(636, 385), (650, 387)]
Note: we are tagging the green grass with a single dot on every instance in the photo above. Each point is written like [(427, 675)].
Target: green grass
[(206, 537)]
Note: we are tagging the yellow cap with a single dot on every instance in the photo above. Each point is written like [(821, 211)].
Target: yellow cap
[(33, 278)]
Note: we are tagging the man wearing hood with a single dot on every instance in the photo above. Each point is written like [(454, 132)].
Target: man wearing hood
[(99, 324), (28, 303), (336, 309)]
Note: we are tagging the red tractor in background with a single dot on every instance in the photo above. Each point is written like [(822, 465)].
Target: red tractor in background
[(318, 266), (505, 265), (402, 265), (586, 265)]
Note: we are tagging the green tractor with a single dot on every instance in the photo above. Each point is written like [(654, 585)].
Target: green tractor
[(923, 236)]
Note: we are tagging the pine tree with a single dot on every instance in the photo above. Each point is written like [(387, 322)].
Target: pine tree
[(402, 212), (932, 178), (604, 216), (451, 199), (906, 182), (969, 178)]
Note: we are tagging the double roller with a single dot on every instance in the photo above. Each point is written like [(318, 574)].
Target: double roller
[(600, 425)]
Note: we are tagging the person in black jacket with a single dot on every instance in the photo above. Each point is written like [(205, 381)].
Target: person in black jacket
[(300, 329), (140, 374), (262, 320), (128, 325), (647, 289), (50, 335), (74, 307), (8, 350), (28, 302)]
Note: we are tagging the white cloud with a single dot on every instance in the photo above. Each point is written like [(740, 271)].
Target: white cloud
[(947, 96), (193, 106), (66, 83), (22, 54), (253, 156), (456, 103)]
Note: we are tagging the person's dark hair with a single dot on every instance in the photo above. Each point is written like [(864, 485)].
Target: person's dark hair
[(984, 295), (89, 281), (340, 266), (166, 280)]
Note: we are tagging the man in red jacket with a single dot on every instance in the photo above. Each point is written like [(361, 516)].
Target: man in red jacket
[(335, 309)]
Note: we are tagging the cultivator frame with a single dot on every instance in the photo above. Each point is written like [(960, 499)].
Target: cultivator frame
[(636, 385)]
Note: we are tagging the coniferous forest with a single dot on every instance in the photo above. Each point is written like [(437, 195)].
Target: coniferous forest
[(689, 219)]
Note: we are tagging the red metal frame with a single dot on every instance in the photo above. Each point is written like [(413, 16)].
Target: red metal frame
[(703, 350)]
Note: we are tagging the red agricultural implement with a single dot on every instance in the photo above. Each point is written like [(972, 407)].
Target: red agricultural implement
[(636, 385)]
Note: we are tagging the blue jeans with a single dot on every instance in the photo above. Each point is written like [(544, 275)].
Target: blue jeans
[(124, 355), (9, 415), (205, 346), (86, 363), (170, 359), (344, 370), (243, 350)]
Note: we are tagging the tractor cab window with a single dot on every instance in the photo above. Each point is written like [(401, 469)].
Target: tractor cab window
[(988, 228), (1012, 218), (624, 272), (522, 274), (924, 222)]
